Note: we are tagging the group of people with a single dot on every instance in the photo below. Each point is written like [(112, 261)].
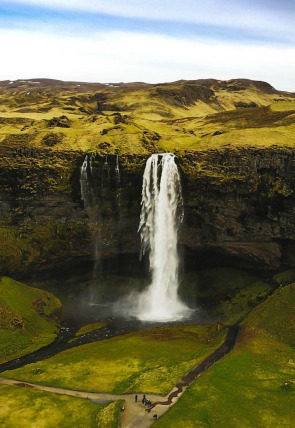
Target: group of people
[(144, 400)]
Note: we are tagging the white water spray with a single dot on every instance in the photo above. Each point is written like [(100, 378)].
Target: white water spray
[(161, 215)]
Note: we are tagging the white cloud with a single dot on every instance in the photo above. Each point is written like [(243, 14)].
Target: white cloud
[(258, 16), (122, 56)]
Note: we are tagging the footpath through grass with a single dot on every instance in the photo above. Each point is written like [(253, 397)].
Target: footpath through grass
[(254, 386), (28, 318), (150, 361), (24, 408)]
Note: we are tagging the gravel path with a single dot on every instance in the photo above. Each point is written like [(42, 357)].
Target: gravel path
[(136, 415)]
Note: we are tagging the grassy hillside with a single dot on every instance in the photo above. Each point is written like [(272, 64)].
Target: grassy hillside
[(28, 318), (254, 386), (141, 118), (151, 361)]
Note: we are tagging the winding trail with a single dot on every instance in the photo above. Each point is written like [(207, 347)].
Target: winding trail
[(136, 415)]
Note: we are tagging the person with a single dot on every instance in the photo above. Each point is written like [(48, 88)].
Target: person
[(143, 399), (123, 408), (135, 398)]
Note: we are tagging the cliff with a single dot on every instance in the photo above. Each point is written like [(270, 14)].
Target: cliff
[(234, 142), (237, 203)]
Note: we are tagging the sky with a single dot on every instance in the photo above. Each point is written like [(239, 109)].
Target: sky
[(148, 40)]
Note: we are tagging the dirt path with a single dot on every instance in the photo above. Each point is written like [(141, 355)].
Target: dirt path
[(136, 415)]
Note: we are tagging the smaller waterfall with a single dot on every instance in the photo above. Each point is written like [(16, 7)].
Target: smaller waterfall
[(161, 215), (85, 186), (117, 172), (91, 164), (91, 206), (105, 178), (118, 185)]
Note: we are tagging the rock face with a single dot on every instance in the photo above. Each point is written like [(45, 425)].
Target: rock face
[(239, 204)]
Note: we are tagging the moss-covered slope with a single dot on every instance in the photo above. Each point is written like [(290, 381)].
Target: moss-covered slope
[(28, 318), (142, 118)]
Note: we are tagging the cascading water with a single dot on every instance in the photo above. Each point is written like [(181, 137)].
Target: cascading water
[(105, 178), (161, 215), (86, 190), (117, 172), (118, 185), (91, 205)]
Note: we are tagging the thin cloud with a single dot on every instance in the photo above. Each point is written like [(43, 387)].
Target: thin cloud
[(126, 56), (258, 16)]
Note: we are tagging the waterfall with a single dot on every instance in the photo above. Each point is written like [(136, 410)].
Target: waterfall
[(91, 164), (105, 178), (86, 191), (91, 206), (117, 172), (161, 215)]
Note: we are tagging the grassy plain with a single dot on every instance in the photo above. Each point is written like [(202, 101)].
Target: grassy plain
[(24, 408), (254, 386), (151, 361)]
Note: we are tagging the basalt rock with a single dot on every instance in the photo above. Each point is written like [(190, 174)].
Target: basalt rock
[(238, 203)]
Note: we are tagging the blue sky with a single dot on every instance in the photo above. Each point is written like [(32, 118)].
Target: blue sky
[(148, 40)]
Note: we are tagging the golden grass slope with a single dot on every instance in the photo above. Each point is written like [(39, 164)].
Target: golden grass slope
[(140, 118)]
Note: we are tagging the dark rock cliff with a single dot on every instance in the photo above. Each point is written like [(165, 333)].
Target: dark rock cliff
[(238, 203)]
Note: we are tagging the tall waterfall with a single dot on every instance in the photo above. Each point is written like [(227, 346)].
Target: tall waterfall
[(161, 215)]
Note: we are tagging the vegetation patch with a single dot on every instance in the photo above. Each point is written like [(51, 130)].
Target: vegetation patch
[(26, 408), (150, 361), (109, 416), (28, 318), (90, 327), (254, 385)]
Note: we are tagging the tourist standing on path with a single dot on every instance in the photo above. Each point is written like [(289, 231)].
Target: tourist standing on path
[(135, 398)]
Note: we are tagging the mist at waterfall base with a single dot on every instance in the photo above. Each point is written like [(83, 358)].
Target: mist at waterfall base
[(160, 219)]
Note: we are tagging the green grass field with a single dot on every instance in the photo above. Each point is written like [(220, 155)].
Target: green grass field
[(28, 318), (24, 408), (150, 361), (254, 386)]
